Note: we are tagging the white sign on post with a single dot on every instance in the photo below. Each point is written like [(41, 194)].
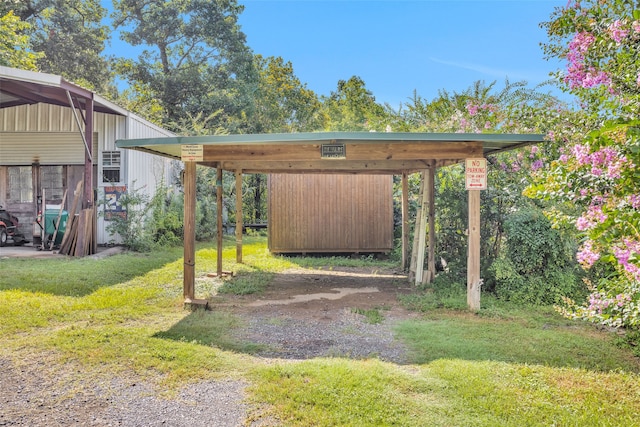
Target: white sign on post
[(191, 153), (476, 174)]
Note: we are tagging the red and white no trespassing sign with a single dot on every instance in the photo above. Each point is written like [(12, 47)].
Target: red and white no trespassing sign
[(475, 171)]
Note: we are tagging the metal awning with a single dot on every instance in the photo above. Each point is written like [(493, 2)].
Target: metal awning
[(22, 87)]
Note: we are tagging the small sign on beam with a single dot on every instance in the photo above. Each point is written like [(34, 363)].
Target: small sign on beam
[(191, 152), (476, 174), (333, 151)]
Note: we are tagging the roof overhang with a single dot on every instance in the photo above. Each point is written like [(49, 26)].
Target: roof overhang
[(363, 152), (21, 87)]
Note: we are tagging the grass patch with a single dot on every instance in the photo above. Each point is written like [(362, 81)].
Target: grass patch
[(531, 336), (372, 315), (79, 276), (335, 392), (209, 328)]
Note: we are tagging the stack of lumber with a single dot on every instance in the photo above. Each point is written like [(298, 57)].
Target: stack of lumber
[(79, 237)]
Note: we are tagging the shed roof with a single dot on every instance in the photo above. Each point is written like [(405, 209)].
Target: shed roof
[(20, 87), (364, 152)]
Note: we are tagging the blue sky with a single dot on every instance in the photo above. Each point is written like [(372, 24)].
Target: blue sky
[(398, 46)]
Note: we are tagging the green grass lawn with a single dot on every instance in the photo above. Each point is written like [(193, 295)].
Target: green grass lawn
[(504, 366)]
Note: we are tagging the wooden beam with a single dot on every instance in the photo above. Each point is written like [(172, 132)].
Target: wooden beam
[(325, 166), (219, 215), (421, 229), (473, 256), (239, 215), (189, 230), (405, 221), (362, 151), (414, 249), (431, 203)]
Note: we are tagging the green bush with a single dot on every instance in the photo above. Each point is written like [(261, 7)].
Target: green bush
[(536, 265)]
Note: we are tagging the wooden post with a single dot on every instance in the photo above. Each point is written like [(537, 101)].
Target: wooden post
[(416, 235), (405, 221), (239, 216), (421, 229), (219, 210), (473, 258), (431, 256), (189, 231)]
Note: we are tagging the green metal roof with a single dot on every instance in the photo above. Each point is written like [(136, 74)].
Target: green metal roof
[(171, 146)]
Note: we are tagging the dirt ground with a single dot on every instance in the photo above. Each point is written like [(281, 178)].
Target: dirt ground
[(323, 295)]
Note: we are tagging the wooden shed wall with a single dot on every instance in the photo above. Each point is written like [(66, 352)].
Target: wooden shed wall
[(330, 213)]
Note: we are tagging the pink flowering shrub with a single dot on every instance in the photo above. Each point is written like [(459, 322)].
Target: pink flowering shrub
[(594, 185)]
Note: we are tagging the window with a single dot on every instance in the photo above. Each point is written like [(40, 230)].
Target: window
[(20, 184), (111, 166), (52, 180)]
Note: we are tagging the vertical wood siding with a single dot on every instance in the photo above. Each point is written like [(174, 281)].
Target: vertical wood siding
[(330, 213)]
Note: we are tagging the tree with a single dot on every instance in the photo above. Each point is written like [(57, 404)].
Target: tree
[(352, 107), (195, 58), (281, 102), (595, 181), (72, 38), (15, 46)]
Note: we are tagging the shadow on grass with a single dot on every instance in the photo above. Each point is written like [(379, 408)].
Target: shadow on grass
[(79, 276), (210, 328)]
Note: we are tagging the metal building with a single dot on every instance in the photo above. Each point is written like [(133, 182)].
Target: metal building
[(54, 134)]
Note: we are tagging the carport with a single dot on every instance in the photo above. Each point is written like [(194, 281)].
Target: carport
[(337, 153)]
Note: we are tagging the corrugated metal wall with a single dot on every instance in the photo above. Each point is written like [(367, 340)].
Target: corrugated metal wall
[(330, 213), (48, 134)]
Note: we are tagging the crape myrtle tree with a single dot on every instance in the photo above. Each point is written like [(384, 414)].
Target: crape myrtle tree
[(194, 58), (71, 37), (594, 183)]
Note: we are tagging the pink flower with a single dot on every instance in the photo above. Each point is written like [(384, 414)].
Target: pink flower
[(587, 256), (537, 165), (583, 224), (563, 158), (534, 149), (616, 31), (581, 152), (635, 26), (472, 109)]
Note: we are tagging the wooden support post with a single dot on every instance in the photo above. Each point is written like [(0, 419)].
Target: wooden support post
[(189, 231), (416, 235), (405, 221), (473, 258), (239, 214), (431, 256), (219, 211), (421, 229)]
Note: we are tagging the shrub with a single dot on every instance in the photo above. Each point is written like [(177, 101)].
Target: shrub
[(536, 265)]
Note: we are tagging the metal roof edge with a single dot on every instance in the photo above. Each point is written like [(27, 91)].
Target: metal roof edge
[(30, 76), (311, 137)]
